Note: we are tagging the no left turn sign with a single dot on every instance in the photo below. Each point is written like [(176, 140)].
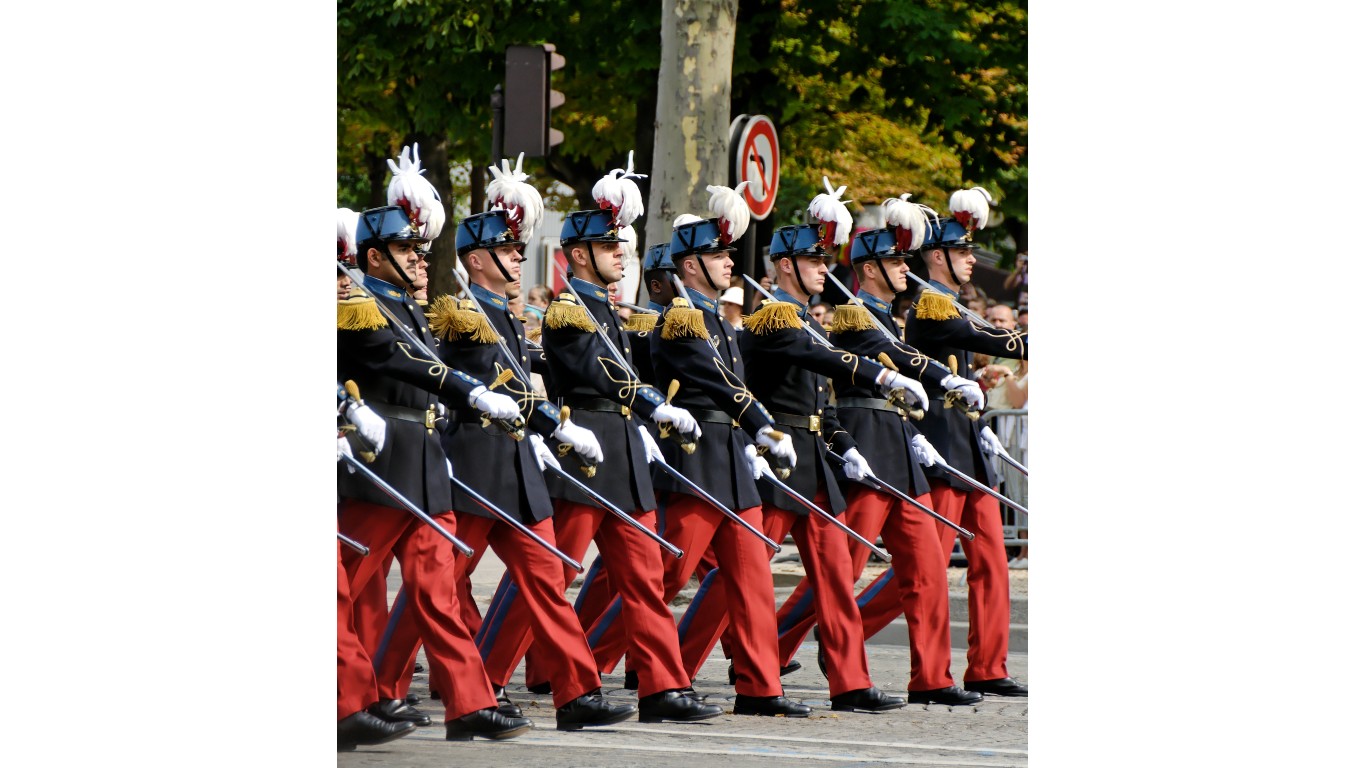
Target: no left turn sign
[(756, 161)]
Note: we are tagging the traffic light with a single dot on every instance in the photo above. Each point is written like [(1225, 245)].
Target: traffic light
[(529, 99)]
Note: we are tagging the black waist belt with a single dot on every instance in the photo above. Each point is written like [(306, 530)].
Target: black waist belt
[(427, 417), (713, 417), (598, 405), (811, 423), (871, 403)]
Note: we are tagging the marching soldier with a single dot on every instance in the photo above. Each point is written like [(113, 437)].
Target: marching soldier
[(589, 355), (938, 329), (489, 249), (896, 448), (692, 347), (357, 698), (403, 385)]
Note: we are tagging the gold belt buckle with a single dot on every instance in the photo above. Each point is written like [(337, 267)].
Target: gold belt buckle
[(625, 412), (813, 424), (430, 417)]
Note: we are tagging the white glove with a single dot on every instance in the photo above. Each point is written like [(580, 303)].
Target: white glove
[(779, 448), (441, 410), (890, 380), (681, 419), (344, 449), (543, 453), (651, 447), (757, 464), (990, 445), (583, 440), (369, 424), (925, 453), (972, 392), (496, 406), (855, 468)]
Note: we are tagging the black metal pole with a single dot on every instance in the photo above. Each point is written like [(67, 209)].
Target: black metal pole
[(497, 103)]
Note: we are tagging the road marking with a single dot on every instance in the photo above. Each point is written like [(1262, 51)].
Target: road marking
[(806, 740), (561, 740)]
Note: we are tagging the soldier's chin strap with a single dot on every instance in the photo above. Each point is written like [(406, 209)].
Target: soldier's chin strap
[(394, 263), (885, 277), (593, 260), (499, 263), (706, 274), (948, 259), (797, 273)]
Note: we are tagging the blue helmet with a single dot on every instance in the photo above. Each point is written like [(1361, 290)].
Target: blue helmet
[(948, 233), (657, 257), (795, 240), (389, 224), (484, 230), (873, 244), (697, 237), (596, 226)]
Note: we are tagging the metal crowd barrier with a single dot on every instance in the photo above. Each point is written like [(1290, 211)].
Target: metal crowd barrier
[(1011, 426)]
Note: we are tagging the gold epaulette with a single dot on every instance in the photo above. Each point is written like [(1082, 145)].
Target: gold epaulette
[(773, 316), (683, 322), (565, 312), (453, 321), (934, 305), (642, 322), (534, 334), (359, 313), (851, 317)]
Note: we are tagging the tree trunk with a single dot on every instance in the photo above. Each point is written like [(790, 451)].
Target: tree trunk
[(692, 113)]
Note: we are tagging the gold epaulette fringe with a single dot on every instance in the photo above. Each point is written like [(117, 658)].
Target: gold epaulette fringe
[(453, 321), (567, 313), (359, 314), (773, 316), (534, 334), (934, 305), (642, 322), (683, 322), (851, 317)]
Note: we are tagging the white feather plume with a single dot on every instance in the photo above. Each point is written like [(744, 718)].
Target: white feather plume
[(418, 198), (910, 220), (975, 203), (730, 206), (509, 192), (685, 218), (629, 284), (619, 193), (829, 209), (346, 232)]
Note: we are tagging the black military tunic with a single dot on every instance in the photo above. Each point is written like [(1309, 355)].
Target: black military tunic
[(788, 372), (937, 328), (486, 458), (883, 432), (603, 396), (399, 383), (711, 373)]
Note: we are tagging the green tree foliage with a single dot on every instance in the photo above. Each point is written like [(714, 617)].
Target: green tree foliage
[(886, 96)]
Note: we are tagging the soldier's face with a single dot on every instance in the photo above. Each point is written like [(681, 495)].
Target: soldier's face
[(812, 270), (897, 269), (963, 260), (608, 256), (405, 255), (718, 266), (343, 286)]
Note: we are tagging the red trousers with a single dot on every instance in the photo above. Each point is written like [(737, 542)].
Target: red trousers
[(427, 561), (635, 565), (988, 580), (692, 525), (825, 556), (539, 578), (355, 675), (370, 606), (920, 591)]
